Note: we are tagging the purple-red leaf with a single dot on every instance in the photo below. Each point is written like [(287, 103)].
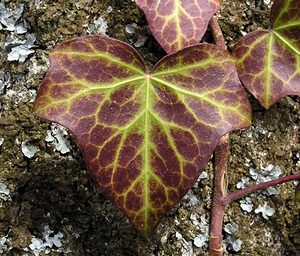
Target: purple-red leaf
[(145, 135), (179, 23), (269, 60)]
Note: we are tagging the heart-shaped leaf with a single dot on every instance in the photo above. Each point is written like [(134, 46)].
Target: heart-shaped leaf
[(179, 23), (145, 136), (269, 60)]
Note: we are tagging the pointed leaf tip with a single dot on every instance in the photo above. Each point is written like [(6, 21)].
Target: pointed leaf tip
[(145, 136), (178, 24)]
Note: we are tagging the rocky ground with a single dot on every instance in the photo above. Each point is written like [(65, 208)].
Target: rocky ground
[(49, 205)]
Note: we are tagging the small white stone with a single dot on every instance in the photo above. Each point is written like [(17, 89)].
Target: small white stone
[(231, 228), (49, 137), (246, 204), (269, 168), (178, 235), (203, 175), (28, 150), (254, 173), (21, 28), (273, 191), (131, 28), (3, 189), (19, 53), (109, 9), (200, 240), (57, 239), (1, 141), (236, 245), (36, 244), (265, 210), (2, 242), (56, 135), (192, 199), (63, 145), (243, 183), (187, 248), (194, 219), (99, 26)]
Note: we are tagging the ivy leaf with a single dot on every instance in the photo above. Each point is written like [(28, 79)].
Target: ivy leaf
[(268, 61), (145, 135), (178, 24)]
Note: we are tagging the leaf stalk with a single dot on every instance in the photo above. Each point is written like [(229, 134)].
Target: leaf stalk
[(221, 198)]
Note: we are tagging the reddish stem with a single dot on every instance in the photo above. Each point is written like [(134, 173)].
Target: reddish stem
[(220, 190), (217, 32), (244, 192), (220, 169), (220, 197)]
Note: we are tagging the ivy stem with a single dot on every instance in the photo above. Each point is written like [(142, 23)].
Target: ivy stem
[(217, 32), (220, 169), (233, 196), (221, 198), (219, 192)]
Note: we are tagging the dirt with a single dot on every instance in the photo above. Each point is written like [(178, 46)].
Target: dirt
[(54, 189)]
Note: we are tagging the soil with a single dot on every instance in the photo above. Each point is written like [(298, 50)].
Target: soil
[(54, 189)]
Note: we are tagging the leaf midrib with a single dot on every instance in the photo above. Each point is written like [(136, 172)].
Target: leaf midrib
[(267, 91), (146, 168)]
